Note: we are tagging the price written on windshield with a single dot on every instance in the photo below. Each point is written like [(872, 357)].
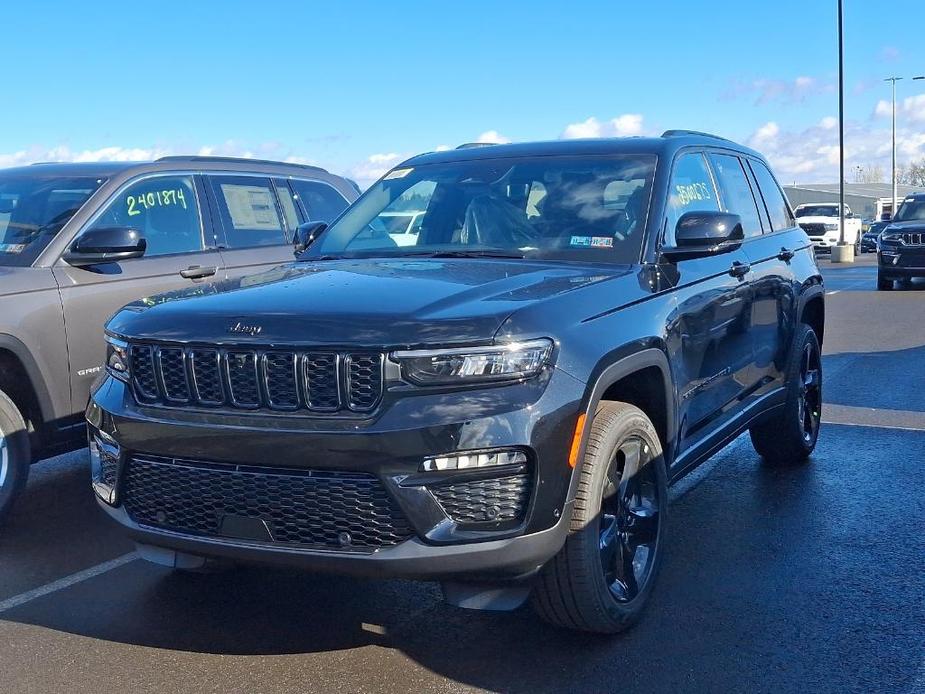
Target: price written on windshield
[(158, 198)]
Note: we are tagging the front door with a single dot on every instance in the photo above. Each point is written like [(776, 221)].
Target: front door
[(166, 210), (708, 334)]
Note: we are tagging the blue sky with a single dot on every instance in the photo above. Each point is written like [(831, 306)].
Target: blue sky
[(356, 86)]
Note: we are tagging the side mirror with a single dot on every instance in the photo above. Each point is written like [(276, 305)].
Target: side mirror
[(701, 234), (106, 245), (306, 234), (849, 215)]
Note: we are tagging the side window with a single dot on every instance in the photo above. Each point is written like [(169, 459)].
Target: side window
[(164, 209), (691, 190), (319, 200), (736, 192), (248, 210), (774, 200), (287, 203)]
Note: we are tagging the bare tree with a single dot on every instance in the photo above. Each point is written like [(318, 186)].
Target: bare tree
[(872, 173)]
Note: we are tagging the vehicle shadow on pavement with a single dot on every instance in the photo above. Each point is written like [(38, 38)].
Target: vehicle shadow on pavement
[(801, 579), (871, 379)]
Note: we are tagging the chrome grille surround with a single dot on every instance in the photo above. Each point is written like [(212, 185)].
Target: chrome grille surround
[(247, 378)]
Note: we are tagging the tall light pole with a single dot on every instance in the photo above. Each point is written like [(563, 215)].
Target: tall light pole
[(841, 126), (893, 81)]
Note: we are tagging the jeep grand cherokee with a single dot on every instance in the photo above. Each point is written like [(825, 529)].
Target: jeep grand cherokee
[(500, 405)]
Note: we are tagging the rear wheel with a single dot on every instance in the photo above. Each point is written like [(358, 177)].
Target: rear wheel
[(15, 456), (790, 435), (600, 579)]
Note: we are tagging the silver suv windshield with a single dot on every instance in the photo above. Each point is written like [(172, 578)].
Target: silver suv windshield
[(34, 208), (590, 208)]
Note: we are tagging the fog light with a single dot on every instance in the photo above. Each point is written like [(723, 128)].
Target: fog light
[(104, 466), (475, 460)]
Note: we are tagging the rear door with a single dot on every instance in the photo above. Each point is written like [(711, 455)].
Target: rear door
[(167, 210), (254, 230), (319, 201), (776, 287)]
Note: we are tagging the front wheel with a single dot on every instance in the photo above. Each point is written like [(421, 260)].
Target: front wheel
[(883, 284), (600, 579), (790, 435), (15, 455)]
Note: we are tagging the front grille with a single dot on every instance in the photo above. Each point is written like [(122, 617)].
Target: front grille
[(913, 238), (487, 500), (813, 229), (252, 379), (343, 511)]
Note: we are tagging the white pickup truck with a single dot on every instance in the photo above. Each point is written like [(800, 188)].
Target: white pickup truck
[(820, 221)]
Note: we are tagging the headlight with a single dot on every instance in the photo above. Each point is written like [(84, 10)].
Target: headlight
[(475, 364), (117, 358), (891, 237), (831, 227)]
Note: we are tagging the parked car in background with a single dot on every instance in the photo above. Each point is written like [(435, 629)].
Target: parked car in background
[(822, 223), (402, 226), (78, 241), (500, 406), (870, 237), (901, 252)]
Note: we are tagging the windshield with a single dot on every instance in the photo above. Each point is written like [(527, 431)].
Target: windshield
[(33, 209), (910, 211), (817, 211), (562, 208)]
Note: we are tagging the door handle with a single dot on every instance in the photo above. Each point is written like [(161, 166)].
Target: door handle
[(785, 254), (739, 269), (197, 272)]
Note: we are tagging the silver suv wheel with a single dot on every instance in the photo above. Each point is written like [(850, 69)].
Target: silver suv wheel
[(4, 459)]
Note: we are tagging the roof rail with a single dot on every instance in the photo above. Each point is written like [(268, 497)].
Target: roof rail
[(476, 145), (236, 160), (682, 133)]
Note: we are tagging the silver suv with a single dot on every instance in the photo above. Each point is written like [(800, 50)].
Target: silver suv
[(78, 241)]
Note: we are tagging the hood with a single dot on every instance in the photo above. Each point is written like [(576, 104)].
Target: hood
[(368, 302), (915, 225), (18, 280)]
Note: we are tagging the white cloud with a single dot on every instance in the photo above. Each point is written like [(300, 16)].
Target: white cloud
[(828, 123), (492, 137), (622, 126), (765, 91), (373, 167)]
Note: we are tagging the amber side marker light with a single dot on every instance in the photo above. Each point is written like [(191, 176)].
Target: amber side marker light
[(576, 441)]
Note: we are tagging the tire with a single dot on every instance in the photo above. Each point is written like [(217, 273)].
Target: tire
[(573, 589), (15, 454), (884, 284), (790, 436)]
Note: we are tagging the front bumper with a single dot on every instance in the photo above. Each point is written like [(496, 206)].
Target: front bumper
[(537, 417), (901, 262)]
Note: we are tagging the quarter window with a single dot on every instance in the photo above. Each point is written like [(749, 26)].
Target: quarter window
[(736, 193), (691, 190), (164, 209), (248, 210), (319, 200), (774, 200)]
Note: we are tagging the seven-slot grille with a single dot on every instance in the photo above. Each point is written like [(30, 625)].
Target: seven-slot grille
[(913, 238), (253, 379)]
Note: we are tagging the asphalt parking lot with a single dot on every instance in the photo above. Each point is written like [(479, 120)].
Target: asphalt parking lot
[(808, 579)]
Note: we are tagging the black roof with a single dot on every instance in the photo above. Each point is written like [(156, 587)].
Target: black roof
[(665, 145)]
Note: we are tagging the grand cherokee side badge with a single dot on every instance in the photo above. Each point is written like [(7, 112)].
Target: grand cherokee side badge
[(244, 328)]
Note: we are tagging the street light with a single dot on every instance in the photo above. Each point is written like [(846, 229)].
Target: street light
[(893, 80)]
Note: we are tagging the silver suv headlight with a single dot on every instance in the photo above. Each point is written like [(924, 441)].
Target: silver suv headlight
[(117, 361), (504, 362)]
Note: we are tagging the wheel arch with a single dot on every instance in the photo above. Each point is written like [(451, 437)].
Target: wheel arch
[(812, 311), (21, 379), (642, 378)]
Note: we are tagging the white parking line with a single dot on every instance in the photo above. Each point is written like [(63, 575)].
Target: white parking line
[(66, 582)]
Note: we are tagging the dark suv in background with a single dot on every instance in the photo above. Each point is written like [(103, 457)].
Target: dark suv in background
[(500, 404), (78, 241), (901, 248)]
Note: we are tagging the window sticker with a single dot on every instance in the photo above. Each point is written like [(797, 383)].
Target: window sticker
[(580, 241), (396, 173), (694, 191), (137, 204), (12, 247), (250, 207), (601, 242)]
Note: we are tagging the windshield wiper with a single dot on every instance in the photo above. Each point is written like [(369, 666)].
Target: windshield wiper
[(465, 254)]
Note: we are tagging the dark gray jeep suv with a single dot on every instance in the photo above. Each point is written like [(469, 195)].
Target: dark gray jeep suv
[(497, 400), (78, 241)]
